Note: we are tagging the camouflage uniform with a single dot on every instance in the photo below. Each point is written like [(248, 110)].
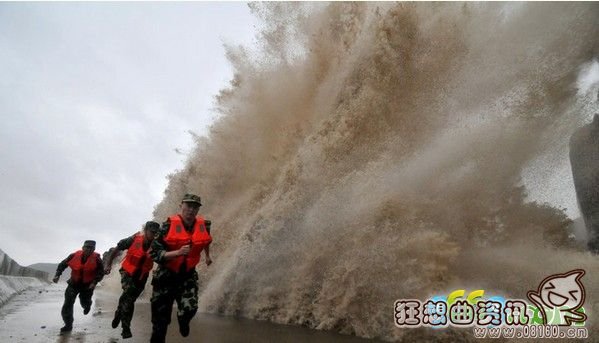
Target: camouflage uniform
[(133, 286), (169, 287), (74, 289)]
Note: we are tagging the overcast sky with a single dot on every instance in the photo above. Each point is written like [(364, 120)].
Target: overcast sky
[(94, 100)]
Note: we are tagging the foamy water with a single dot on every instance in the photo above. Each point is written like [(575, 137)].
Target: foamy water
[(368, 152)]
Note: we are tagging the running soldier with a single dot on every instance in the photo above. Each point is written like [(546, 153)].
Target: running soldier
[(177, 250), (86, 271), (134, 273)]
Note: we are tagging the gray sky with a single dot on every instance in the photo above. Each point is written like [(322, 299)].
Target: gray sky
[(94, 100)]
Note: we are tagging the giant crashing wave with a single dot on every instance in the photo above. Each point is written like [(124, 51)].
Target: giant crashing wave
[(366, 152)]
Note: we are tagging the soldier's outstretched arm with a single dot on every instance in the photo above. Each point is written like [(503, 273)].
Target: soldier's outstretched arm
[(99, 270), (207, 248), (112, 252), (207, 252), (122, 245), (61, 267), (158, 249)]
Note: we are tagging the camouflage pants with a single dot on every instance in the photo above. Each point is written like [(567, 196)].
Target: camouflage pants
[(70, 294), (165, 292), (131, 291)]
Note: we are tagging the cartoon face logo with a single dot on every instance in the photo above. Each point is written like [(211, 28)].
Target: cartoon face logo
[(559, 296)]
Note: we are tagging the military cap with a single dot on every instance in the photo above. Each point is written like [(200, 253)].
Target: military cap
[(91, 244), (152, 226), (192, 198)]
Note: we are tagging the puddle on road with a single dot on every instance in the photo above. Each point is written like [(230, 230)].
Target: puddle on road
[(34, 316)]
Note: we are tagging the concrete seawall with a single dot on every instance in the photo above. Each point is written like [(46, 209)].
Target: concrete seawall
[(8, 266), (15, 278), (12, 285)]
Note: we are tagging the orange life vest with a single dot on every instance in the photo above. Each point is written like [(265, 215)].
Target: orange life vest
[(83, 273), (177, 237), (137, 258)]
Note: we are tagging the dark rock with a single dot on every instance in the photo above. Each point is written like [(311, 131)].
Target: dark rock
[(584, 149)]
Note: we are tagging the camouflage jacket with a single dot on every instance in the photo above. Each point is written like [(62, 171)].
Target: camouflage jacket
[(126, 243)]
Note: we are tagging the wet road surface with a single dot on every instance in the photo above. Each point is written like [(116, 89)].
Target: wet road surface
[(34, 316)]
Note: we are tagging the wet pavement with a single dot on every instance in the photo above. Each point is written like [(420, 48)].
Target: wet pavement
[(34, 316)]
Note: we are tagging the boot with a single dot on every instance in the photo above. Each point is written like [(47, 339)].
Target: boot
[(158, 335), (116, 320), (126, 333), (184, 327)]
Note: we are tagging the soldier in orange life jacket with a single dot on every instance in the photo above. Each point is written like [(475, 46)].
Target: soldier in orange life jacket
[(134, 272), (177, 250), (86, 272)]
